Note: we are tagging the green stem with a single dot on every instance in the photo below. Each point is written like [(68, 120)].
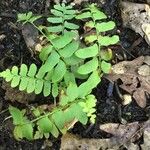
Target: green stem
[(57, 50), (56, 109), (97, 34)]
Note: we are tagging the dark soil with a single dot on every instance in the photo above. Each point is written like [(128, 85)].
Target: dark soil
[(13, 51)]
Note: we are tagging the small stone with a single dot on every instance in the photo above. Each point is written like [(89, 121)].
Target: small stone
[(144, 70), (147, 60), (146, 29), (2, 37), (38, 48), (127, 99)]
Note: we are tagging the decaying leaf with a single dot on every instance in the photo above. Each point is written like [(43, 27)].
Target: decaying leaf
[(14, 95), (122, 136), (146, 136), (30, 35), (148, 1), (129, 133), (146, 144), (73, 142), (122, 133), (135, 80), (137, 17)]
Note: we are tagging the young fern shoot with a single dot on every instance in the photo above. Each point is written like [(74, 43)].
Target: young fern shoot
[(64, 58), (98, 40)]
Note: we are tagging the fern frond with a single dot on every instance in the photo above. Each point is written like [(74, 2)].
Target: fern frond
[(55, 122), (87, 52), (27, 17), (64, 59), (61, 16), (88, 67), (97, 40), (64, 45), (26, 79)]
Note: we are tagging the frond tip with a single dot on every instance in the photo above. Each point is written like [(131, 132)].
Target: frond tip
[(26, 79)]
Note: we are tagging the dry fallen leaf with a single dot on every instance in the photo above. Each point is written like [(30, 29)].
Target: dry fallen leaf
[(122, 136), (123, 133), (146, 144), (135, 77), (73, 142), (146, 136), (30, 35), (137, 17), (14, 95)]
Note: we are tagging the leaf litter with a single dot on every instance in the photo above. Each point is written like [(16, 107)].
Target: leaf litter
[(137, 17), (123, 136), (106, 143), (135, 77)]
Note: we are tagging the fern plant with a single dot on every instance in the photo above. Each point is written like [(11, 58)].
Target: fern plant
[(97, 39), (62, 16), (58, 120), (64, 58), (58, 54)]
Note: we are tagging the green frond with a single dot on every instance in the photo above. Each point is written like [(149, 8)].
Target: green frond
[(27, 79), (56, 121), (55, 20), (63, 40), (55, 29), (105, 26), (98, 41), (61, 15), (86, 87), (87, 52), (69, 49), (88, 67), (65, 58), (107, 40)]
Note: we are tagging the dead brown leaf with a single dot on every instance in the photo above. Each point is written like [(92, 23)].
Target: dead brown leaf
[(73, 142), (135, 81), (14, 95), (146, 135), (137, 17), (123, 133), (30, 35)]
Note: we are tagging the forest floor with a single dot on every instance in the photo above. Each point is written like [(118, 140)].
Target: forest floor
[(14, 51)]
